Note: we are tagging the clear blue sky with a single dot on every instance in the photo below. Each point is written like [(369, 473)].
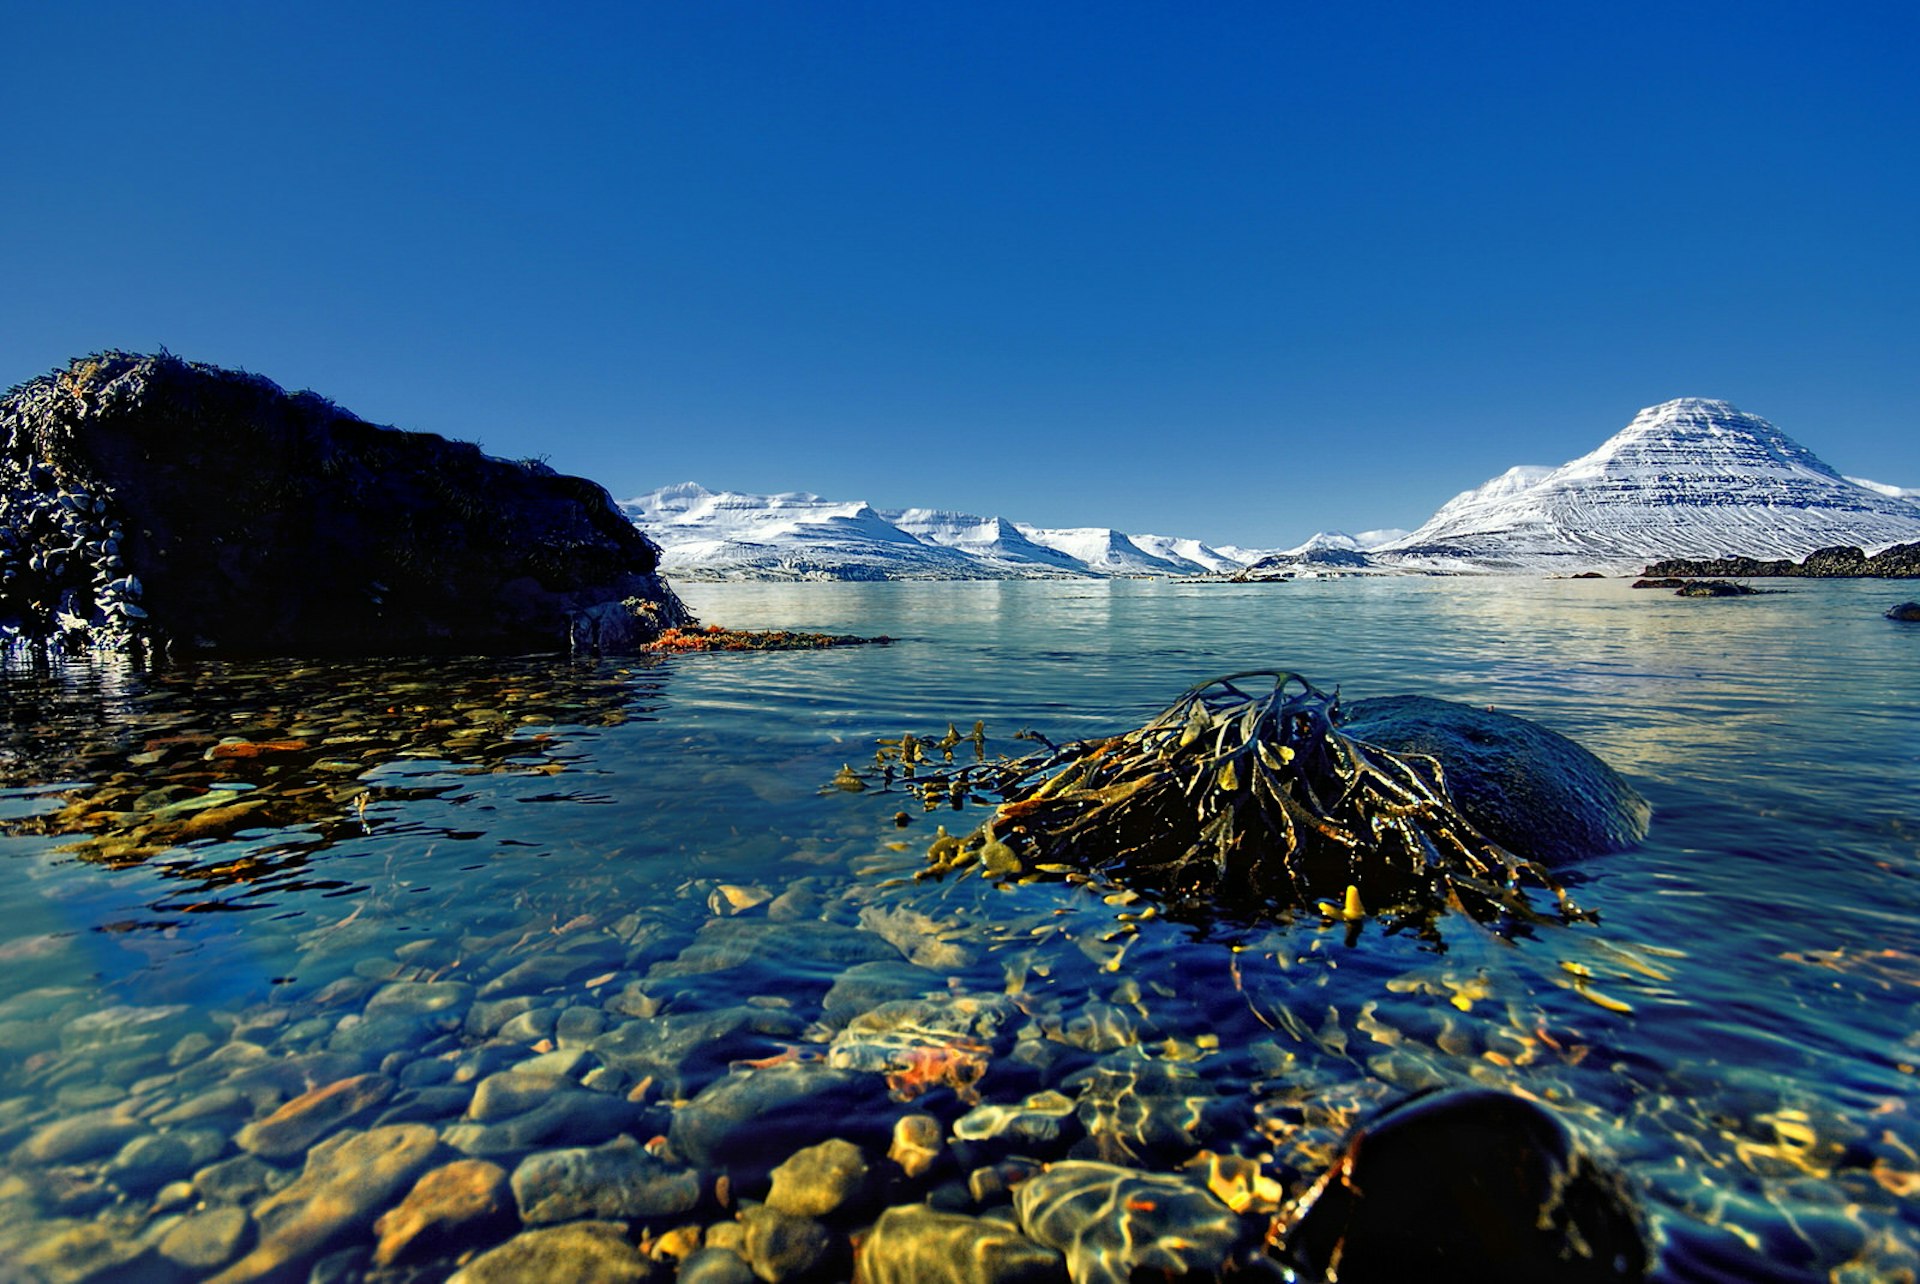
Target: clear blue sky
[(1233, 271)]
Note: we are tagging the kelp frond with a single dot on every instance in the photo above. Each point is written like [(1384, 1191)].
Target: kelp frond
[(1250, 800)]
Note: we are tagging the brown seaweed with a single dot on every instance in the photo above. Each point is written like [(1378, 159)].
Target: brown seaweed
[(1240, 799)]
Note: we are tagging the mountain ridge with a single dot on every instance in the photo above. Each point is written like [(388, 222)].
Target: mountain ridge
[(1687, 478)]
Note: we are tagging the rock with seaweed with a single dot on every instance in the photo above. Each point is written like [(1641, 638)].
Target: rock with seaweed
[(147, 502), (1254, 801), (1533, 791)]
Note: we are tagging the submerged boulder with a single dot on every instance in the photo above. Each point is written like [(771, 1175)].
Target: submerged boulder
[(1533, 791), (154, 502), (1467, 1185)]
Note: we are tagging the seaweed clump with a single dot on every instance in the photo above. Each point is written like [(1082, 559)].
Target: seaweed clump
[(1242, 799)]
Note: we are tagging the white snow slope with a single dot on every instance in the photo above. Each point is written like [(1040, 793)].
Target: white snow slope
[(1687, 478), (729, 535)]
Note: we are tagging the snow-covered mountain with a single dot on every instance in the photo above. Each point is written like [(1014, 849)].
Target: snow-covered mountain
[(729, 535), (1687, 478), (1342, 541)]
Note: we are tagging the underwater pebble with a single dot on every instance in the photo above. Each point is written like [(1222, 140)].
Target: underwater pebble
[(616, 1181), (916, 1244), (1111, 1222), (464, 1195), (77, 1137), (918, 1143), (207, 1241), (821, 1180), (781, 1247), (579, 1253), (299, 1123), (347, 1180)]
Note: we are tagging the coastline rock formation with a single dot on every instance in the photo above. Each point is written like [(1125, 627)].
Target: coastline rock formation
[(149, 503), (1842, 562)]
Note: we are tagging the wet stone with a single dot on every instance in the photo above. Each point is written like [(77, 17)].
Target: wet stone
[(83, 1254), (748, 1119), (579, 1026), (573, 1118), (555, 968), (715, 1266), (239, 1180), (865, 986), (204, 1242), (78, 1137), (1039, 1123), (295, 1126), (348, 1179), (421, 999), (372, 1037), (617, 1181), (579, 1253), (530, 1026), (767, 953), (149, 1162), (513, 1092), (1520, 1201), (820, 1181), (426, 1105), (916, 1244), (684, 1051), (463, 1196), (428, 1073), (485, 1017), (782, 1248), (1110, 1222), (918, 1144)]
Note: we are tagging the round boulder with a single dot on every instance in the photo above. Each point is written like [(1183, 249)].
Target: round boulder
[(1472, 1184), (1533, 791)]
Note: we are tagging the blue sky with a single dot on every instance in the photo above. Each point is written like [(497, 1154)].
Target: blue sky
[(1233, 271)]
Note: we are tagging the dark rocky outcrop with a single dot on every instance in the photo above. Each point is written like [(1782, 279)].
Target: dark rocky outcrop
[(1900, 562), (1533, 791), (1907, 611), (1715, 588), (1467, 1185), (151, 502)]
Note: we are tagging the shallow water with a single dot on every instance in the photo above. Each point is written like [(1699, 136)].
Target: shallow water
[(1742, 1040)]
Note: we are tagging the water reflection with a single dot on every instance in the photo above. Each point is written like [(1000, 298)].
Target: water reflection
[(167, 768)]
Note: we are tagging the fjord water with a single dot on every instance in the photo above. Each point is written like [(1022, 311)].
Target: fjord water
[(1737, 1031)]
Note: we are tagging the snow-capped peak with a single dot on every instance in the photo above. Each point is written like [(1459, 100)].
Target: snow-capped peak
[(1687, 478)]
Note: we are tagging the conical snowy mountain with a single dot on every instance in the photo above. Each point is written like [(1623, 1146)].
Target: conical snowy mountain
[(1688, 478)]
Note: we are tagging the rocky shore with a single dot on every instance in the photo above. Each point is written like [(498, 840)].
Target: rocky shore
[(1901, 561), (152, 504), (576, 1101)]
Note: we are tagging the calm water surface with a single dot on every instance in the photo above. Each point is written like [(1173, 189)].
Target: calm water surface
[(1738, 1031)]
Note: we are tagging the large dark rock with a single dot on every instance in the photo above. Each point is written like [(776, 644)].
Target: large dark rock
[(1533, 791), (1843, 561), (150, 501), (1469, 1185), (1906, 611)]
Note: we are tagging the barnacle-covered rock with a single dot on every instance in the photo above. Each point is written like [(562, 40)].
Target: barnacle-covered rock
[(154, 502)]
